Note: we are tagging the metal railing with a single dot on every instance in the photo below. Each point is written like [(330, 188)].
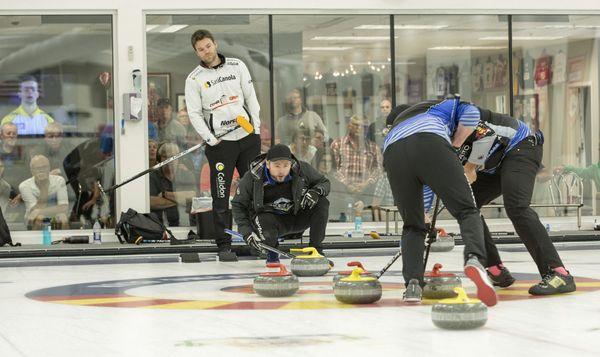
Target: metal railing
[(566, 191)]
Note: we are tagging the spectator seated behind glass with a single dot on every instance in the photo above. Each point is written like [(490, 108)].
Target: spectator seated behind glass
[(319, 140), (152, 152), (301, 147), (9, 152), (191, 135), (45, 195), (5, 190), (357, 160), (152, 123), (169, 129), (324, 162), (297, 117), (53, 147), (28, 117), (15, 162), (164, 198)]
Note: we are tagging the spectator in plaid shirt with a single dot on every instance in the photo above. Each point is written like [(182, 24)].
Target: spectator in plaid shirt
[(358, 161)]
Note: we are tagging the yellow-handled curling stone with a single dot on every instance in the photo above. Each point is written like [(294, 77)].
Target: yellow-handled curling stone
[(356, 289), (346, 273), (440, 285), (276, 284), (443, 242), (459, 313), (309, 264)]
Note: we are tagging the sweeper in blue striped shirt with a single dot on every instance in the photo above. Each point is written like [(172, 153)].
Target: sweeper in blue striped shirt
[(419, 151)]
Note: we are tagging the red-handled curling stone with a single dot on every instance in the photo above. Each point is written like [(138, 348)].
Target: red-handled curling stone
[(356, 289), (440, 285), (443, 242), (276, 284), (346, 273)]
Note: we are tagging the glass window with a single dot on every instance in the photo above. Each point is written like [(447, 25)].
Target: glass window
[(56, 131), (171, 59), (556, 75), (332, 75), (437, 56), (441, 55)]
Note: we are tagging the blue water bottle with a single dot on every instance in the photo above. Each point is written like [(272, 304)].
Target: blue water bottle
[(46, 232), (358, 223), (357, 232)]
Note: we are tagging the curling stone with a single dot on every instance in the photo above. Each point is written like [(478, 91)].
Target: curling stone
[(459, 313), (443, 242), (440, 285), (356, 289), (276, 284), (310, 264), (346, 273)]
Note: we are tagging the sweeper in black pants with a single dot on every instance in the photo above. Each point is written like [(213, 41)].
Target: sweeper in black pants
[(418, 151), (503, 157)]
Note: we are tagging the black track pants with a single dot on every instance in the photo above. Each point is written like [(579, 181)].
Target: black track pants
[(222, 159), (428, 159), (273, 226), (515, 180)]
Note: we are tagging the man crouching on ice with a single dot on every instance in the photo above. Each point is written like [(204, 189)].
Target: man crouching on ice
[(279, 196)]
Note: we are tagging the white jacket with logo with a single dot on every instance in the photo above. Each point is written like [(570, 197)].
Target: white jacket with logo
[(214, 98)]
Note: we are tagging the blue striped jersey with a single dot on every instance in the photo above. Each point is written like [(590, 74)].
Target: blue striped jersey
[(441, 119), (428, 197)]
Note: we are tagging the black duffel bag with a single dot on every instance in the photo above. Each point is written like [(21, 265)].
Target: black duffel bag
[(134, 227)]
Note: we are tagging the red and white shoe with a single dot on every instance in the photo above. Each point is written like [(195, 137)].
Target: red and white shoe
[(485, 290)]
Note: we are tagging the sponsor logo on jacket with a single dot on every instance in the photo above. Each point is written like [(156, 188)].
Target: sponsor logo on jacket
[(220, 79), (223, 101)]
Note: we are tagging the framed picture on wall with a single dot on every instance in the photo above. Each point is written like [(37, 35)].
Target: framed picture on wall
[(180, 101), (159, 84)]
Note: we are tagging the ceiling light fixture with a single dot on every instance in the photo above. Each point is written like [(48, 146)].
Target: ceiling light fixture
[(351, 38), (401, 27), (173, 28)]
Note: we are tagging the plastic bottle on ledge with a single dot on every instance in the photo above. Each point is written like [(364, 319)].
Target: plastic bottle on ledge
[(358, 231), (46, 232), (349, 211), (96, 232)]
